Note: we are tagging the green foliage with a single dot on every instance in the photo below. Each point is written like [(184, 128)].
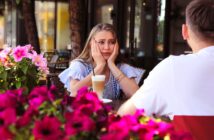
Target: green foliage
[(22, 74), (21, 67)]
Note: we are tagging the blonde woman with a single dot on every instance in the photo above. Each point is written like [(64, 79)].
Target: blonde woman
[(101, 52)]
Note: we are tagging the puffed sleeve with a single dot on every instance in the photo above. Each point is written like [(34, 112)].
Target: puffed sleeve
[(132, 72), (76, 71)]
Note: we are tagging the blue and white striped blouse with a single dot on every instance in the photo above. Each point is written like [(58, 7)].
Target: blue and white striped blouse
[(79, 69)]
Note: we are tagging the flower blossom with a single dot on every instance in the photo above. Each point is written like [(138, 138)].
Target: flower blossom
[(7, 117), (7, 101), (39, 61), (47, 129), (27, 117), (87, 101), (4, 58), (5, 134), (19, 53), (38, 95), (78, 122)]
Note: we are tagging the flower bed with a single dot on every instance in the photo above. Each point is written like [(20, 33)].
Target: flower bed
[(48, 115)]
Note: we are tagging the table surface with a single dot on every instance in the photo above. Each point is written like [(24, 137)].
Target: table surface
[(116, 104)]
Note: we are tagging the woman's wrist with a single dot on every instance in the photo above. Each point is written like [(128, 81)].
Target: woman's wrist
[(110, 64), (99, 68), (119, 77)]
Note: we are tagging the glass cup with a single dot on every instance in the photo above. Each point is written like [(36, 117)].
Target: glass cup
[(98, 84)]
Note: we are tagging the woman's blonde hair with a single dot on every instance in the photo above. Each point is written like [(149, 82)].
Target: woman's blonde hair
[(86, 53)]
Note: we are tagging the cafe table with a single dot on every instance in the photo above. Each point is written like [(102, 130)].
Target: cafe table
[(115, 104)]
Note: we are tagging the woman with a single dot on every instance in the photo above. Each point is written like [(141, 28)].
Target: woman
[(101, 53)]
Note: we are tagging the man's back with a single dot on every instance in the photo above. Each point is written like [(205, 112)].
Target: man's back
[(180, 85), (194, 82)]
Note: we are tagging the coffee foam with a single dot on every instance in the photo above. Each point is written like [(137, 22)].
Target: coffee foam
[(98, 78)]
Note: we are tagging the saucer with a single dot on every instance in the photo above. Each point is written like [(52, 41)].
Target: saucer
[(106, 100)]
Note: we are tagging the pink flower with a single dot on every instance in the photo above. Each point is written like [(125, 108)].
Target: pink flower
[(82, 90), (67, 100), (27, 117), (164, 128), (114, 136), (5, 52), (118, 128), (4, 57), (7, 117), (7, 100), (4, 61), (17, 93), (19, 53), (139, 113), (40, 61), (117, 125), (5, 134), (29, 47), (47, 129), (77, 122), (87, 100), (38, 95), (53, 92)]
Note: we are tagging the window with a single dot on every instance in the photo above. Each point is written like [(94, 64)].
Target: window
[(45, 19), (8, 24), (53, 25), (1, 31), (138, 28), (159, 48), (104, 11), (63, 31)]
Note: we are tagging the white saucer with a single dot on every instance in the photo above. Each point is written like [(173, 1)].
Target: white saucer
[(106, 100)]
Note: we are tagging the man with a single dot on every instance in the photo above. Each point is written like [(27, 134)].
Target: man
[(182, 85)]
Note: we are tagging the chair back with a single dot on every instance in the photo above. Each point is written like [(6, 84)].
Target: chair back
[(200, 127)]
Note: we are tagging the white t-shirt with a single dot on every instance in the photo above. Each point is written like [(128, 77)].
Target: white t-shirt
[(179, 85)]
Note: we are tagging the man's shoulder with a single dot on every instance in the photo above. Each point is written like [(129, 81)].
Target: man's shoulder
[(182, 57), (170, 62)]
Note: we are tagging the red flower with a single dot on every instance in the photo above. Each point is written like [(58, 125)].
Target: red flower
[(82, 90), (38, 95), (5, 134), (7, 100), (27, 117), (47, 129), (78, 122), (89, 101), (17, 93), (114, 136), (7, 117)]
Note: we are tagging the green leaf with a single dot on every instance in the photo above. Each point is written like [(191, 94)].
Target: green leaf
[(3, 75), (57, 102), (23, 78), (18, 1), (24, 69), (18, 84)]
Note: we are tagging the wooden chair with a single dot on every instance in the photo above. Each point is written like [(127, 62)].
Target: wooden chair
[(200, 127), (56, 66)]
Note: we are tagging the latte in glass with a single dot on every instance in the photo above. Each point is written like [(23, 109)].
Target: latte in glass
[(98, 84)]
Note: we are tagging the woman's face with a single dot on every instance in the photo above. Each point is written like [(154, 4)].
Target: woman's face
[(106, 42)]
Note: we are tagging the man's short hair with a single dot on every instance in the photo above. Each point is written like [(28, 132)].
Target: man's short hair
[(200, 18)]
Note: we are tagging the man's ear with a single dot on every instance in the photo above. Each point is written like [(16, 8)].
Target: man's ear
[(185, 32)]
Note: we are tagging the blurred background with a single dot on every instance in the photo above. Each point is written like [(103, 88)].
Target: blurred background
[(148, 30)]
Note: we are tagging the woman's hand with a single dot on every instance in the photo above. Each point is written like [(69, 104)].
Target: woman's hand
[(114, 54), (96, 54)]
